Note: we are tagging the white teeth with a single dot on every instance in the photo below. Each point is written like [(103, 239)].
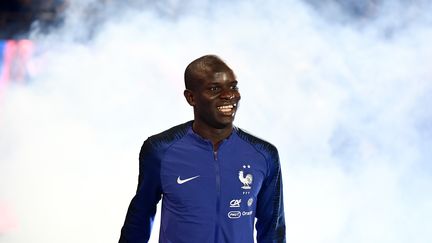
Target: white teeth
[(226, 108)]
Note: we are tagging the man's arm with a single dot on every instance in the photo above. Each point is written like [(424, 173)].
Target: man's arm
[(142, 209), (270, 224)]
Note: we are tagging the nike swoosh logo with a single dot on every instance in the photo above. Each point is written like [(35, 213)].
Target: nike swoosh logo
[(180, 181)]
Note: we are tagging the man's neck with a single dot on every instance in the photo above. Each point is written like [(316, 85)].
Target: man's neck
[(215, 135)]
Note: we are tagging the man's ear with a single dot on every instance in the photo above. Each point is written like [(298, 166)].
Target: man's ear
[(189, 97)]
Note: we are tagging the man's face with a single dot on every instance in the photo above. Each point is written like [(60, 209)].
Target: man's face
[(216, 100)]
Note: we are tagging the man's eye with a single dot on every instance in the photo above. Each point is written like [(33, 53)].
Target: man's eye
[(234, 87), (214, 89)]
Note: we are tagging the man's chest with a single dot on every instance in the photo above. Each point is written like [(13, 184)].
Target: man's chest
[(228, 180)]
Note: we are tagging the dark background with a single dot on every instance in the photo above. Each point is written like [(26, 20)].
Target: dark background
[(17, 16)]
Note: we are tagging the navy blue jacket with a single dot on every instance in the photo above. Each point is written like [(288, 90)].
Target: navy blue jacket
[(208, 196)]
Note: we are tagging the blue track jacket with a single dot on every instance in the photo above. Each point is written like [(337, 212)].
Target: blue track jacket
[(207, 196)]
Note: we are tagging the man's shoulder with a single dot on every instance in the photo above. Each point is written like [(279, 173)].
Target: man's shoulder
[(258, 143), (170, 135), (158, 143)]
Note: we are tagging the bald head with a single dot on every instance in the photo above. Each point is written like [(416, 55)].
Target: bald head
[(203, 68)]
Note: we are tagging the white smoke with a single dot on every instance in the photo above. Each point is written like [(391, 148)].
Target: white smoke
[(344, 97)]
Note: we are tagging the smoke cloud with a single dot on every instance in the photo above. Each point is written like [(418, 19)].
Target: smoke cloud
[(341, 88)]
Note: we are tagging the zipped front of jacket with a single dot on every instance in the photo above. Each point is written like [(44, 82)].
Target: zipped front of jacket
[(218, 190)]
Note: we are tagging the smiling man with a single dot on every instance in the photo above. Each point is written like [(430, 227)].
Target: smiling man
[(215, 178)]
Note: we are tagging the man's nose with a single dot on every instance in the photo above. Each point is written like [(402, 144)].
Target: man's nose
[(228, 94)]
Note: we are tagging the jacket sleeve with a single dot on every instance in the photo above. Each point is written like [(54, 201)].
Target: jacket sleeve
[(142, 209), (270, 223)]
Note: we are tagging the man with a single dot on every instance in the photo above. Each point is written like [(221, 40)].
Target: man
[(215, 178)]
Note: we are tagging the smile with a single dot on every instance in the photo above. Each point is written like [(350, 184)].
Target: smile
[(226, 108)]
